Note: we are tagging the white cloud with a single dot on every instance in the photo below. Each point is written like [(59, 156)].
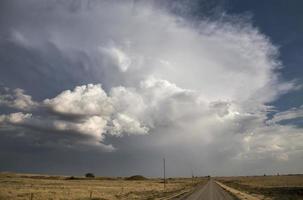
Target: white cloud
[(94, 126), (15, 118), (123, 123), (17, 99), (275, 142), (83, 100), (214, 57), (118, 57), (88, 110), (128, 101), (210, 83), (155, 103), (290, 114)]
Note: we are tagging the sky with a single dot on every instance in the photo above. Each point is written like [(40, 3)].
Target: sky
[(113, 87)]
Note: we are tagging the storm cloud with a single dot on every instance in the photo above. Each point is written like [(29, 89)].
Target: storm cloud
[(130, 78)]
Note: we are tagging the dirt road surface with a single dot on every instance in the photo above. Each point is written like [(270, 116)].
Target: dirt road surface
[(210, 191)]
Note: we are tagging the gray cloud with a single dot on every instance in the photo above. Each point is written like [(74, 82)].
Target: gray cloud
[(193, 91)]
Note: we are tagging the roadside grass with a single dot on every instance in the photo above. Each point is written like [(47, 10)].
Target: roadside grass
[(21, 187), (274, 187), (231, 194)]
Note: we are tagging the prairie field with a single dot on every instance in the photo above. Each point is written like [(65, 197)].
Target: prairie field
[(27, 187), (283, 187)]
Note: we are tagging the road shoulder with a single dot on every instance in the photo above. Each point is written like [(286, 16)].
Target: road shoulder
[(242, 195)]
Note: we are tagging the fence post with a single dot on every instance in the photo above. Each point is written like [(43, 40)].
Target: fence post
[(90, 194), (31, 197)]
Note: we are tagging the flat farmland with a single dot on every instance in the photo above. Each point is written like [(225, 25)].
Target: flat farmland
[(20, 186), (283, 187)]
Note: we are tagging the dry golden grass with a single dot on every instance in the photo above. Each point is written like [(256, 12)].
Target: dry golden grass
[(275, 187), (14, 186), (268, 181)]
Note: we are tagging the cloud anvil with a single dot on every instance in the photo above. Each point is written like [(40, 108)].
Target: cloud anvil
[(147, 82)]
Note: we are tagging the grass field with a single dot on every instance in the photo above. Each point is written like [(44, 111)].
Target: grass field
[(274, 187), (21, 186)]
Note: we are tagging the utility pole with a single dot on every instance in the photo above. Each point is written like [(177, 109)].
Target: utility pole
[(164, 178), (192, 176)]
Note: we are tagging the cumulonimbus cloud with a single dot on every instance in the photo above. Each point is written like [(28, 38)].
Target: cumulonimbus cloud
[(158, 70), (90, 111)]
